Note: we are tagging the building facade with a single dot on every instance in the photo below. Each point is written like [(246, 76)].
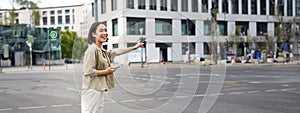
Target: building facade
[(174, 28)]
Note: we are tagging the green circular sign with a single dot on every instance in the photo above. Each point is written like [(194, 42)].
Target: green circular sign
[(53, 34)]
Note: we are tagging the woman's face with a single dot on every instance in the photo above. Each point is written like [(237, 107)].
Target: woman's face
[(100, 33)]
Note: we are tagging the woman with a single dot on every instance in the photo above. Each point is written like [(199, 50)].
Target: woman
[(98, 75)]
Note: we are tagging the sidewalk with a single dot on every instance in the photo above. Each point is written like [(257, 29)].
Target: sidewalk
[(37, 68)]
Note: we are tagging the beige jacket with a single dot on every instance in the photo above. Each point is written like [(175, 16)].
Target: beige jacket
[(96, 58)]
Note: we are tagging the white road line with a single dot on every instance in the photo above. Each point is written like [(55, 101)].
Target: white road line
[(124, 101), (233, 93), (272, 90), (181, 96), (254, 82), (71, 89), (201, 95), (147, 99), (285, 85), (253, 91), (34, 107), (6, 109), (62, 105), (216, 94), (288, 89), (163, 98)]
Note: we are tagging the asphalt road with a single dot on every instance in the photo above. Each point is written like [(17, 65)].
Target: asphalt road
[(159, 89)]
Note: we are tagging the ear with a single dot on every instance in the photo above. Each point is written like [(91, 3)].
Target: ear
[(93, 34)]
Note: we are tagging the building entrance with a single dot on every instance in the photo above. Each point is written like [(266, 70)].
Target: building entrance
[(164, 51)]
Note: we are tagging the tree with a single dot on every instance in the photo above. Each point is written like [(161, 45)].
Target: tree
[(72, 46), (24, 4)]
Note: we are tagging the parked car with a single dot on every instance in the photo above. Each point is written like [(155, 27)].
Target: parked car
[(71, 61)]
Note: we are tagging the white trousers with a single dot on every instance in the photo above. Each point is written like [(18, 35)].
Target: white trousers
[(92, 101)]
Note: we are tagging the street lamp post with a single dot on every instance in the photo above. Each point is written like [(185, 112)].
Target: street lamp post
[(30, 50), (142, 62)]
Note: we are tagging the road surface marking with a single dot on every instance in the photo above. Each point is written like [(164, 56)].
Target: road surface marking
[(285, 85), (289, 89), (254, 82), (147, 99), (6, 109), (124, 101), (181, 96), (71, 89), (272, 90), (201, 95), (34, 107), (62, 105), (216, 94), (163, 98), (233, 93), (253, 91)]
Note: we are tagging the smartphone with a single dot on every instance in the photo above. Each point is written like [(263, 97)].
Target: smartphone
[(116, 67)]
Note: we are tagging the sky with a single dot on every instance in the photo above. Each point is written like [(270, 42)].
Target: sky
[(5, 4)]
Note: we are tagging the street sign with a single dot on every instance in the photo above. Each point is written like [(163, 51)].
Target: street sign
[(53, 34), (30, 38)]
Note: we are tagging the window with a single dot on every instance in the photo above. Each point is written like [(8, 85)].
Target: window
[(215, 4), (130, 4), (152, 4), (271, 7), (224, 6), (44, 13), (66, 28), (174, 5), (52, 12), (235, 6), (59, 28), (45, 22), (262, 28), (188, 27), (113, 5), (289, 8), (244, 6), (253, 7), (115, 27), (188, 46), (281, 7), (207, 30), (134, 25), (67, 11), (59, 19), (163, 27), (297, 7), (17, 21), (59, 12), (163, 5), (67, 19), (141, 4), (223, 28), (52, 20), (206, 48), (194, 5), (204, 6), (103, 6), (263, 6), (73, 19), (115, 46), (184, 5), (243, 27)]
